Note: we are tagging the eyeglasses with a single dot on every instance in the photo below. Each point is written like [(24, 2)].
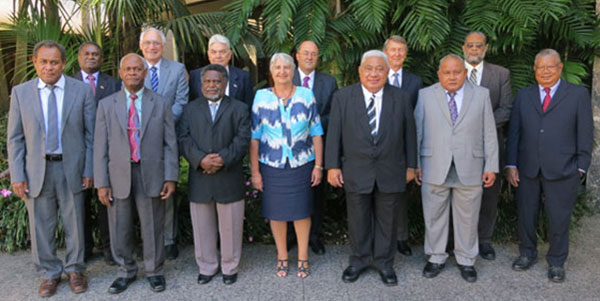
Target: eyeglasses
[(550, 68)]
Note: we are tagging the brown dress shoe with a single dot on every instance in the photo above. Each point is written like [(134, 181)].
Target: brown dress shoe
[(48, 287), (78, 282)]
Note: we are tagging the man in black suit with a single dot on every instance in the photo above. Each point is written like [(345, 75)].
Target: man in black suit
[(396, 49), (238, 86), (497, 80), (371, 152), (323, 86), (549, 149), (90, 58)]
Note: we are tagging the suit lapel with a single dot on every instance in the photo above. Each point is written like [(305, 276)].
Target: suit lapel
[(100, 87), (296, 78), (558, 96), (121, 110), (147, 108), (386, 114), (68, 96), (317, 86), (534, 96), (406, 81), (163, 76), (36, 105), (361, 110), (440, 98), (466, 102), (205, 110), (222, 107), (233, 81)]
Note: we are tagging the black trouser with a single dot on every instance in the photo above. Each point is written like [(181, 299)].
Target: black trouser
[(101, 221)]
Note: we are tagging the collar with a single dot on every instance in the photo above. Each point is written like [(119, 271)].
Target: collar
[(218, 102), (552, 89), (302, 75), (84, 75), (368, 93), (157, 65), (60, 83), (138, 93), (392, 72), (479, 67), (458, 93)]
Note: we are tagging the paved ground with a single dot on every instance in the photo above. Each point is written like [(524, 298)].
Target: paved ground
[(257, 280)]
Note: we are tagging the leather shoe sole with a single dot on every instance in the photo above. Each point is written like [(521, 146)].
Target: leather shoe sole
[(351, 274), (120, 285), (230, 279), (157, 283), (48, 287), (468, 273), (432, 269)]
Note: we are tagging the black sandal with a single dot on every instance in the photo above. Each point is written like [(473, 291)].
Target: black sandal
[(282, 268), (302, 269)]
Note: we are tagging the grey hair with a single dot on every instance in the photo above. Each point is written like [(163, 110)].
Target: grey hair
[(451, 55), (284, 57), (395, 38), (547, 52), (479, 33), (132, 54), (162, 35), (50, 44), (217, 38), (375, 53), (215, 67)]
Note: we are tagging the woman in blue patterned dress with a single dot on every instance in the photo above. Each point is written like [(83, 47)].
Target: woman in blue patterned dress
[(286, 158)]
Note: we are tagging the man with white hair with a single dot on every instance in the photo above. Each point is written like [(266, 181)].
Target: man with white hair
[(371, 153), (167, 78), (238, 86)]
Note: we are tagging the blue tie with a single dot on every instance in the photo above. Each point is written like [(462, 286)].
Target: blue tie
[(396, 81), (154, 79)]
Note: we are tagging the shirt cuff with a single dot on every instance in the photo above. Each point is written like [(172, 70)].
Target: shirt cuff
[(510, 166)]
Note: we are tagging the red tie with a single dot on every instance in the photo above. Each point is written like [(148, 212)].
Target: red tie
[(133, 130), (547, 99), (92, 81)]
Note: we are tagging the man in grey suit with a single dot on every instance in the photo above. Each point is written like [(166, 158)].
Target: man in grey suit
[(49, 136), (458, 150), (168, 79), (497, 80), (135, 164), (214, 136), (371, 152), (396, 49)]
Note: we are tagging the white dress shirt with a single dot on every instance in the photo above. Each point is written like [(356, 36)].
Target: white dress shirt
[(378, 99), (311, 78), (157, 65), (59, 92), (391, 76), (479, 68)]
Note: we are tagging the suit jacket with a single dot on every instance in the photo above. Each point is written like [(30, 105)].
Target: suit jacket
[(559, 141), (228, 135), (106, 85), (158, 145), (411, 84), (323, 88), (172, 85), (471, 143), (497, 80), (26, 135), (366, 162), (240, 86)]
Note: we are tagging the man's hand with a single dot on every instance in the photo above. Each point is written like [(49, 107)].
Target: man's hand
[(410, 175), (105, 196), (488, 179), (87, 183), (21, 189), (211, 163), (334, 177), (167, 190), (316, 176), (513, 176), (257, 181), (418, 176)]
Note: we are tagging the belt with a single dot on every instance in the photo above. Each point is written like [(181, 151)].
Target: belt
[(53, 157), (134, 163)]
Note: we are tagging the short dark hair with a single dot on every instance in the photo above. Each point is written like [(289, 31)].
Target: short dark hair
[(215, 67), (90, 43), (50, 44)]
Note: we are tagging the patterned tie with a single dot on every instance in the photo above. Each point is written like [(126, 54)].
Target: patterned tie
[(154, 78), (372, 116), (452, 107), (133, 130), (52, 131), (213, 110), (305, 82), (547, 99), (473, 77), (92, 81), (396, 80)]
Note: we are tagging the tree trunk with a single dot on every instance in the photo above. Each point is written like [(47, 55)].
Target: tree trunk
[(21, 48), (4, 101), (593, 179)]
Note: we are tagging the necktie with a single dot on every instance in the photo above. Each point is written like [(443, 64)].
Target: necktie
[(547, 99), (473, 77), (396, 80), (213, 110), (133, 130), (305, 82), (52, 131), (92, 81), (452, 107), (371, 112), (154, 78)]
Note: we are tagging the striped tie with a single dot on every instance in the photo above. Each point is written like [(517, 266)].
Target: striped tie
[(154, 79), (371, 112), (133, 130), (473, 77), (452, 107)]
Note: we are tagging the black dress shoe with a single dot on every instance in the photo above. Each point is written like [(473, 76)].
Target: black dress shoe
[(468, 273), (556, 274), (486, 251), (120, 285), (388, 277), (317, 246), (404, 248), (523, 263), (230, 279), (204, 279), (351, 274), (432, 269), (157, 283), (171, 251), (108, 259)]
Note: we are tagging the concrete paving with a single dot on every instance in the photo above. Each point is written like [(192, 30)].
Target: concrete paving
[(257, 280)]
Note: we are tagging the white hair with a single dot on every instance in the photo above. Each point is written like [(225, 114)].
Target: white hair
[(284, 57), (375, 53), (451, 55), (162, 35), (217, 38), (547, 52), (132, 54)]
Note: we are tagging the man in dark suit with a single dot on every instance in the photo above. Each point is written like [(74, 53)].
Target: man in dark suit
[(49, 140), (371, 152), (549, 149), (135, 165), (238, 86), (323, 86), (497, 80), (90, 60), (214, 136), (396, 49)]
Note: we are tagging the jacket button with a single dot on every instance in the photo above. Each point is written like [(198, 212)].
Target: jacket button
[(542, 130)]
